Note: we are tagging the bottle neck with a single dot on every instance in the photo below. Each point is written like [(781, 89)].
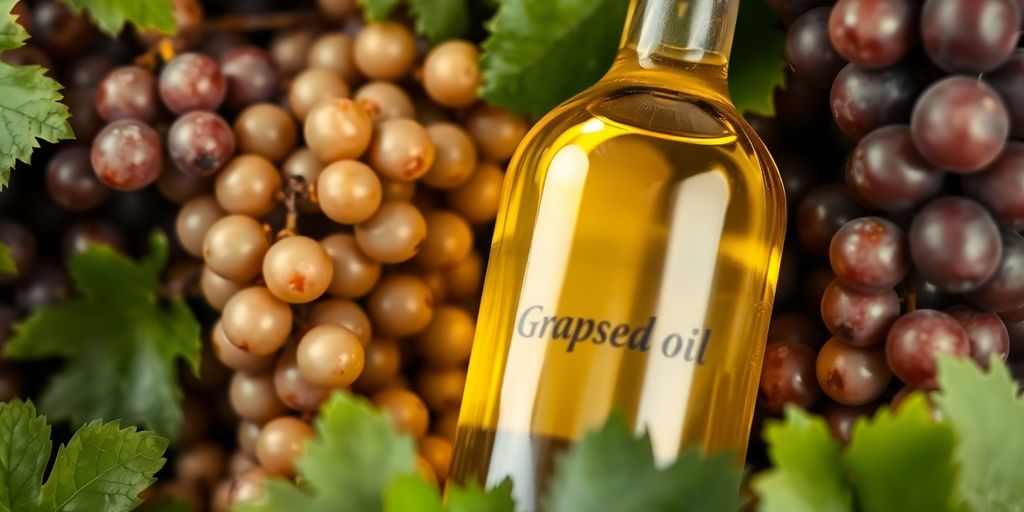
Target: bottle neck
[(693, 36)]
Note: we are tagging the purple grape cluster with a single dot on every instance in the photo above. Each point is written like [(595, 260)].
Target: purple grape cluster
[(913, 188)]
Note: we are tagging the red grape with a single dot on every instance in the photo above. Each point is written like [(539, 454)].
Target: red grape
[(887, 172), (865, 99), (1005, 290), (841, 418), (787, 375), (251, 76), (927, 295), (955, 244), (860, 319), (71, 182), (192, 81), (986, 333), (127, 155), (1001, 186), (200, 143), (916, 340), (960, 124), (969, 36), (869, 254), (822, 212), (873, 33), (808, 50), (127, 92), (852, 375)]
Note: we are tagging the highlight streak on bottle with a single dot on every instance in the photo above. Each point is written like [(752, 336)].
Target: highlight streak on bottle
[(698, 215), (551, 243)]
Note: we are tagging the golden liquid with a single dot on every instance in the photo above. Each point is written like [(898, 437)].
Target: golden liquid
[(630, 202)]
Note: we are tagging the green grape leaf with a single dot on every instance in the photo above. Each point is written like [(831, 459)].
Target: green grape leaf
[(473, 499), (541, 52), (987, 412), (111, 15), (757, 64), (411, 493), (12, 33), (807, 474), (7, 265), (902, 460), (121, 341), (378, 10), (30, 107), (440, 19), (30, 110), (591, 476), (103, 467), (24, 450), (355, 455)]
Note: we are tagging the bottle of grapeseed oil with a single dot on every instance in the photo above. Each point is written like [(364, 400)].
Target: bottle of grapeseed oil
[(633, 264)]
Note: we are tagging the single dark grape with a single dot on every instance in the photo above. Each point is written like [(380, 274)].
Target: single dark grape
[(89, 71), (128, 92), (822, 212), (71, 181), (969, 36), (787, 376), (1008, 80), (200, 143), (869, 254), (251, 75), (886, 171), (873, 33), (841, 418), (955, 244), (808, 50), (863, 100), (1005, 290), (21, 244), (1000, 187), (960, 124), (986, 333), (916, 339), (84, 234), (852, 375), (192, 81), (127, 155), (860, 319), (45, 286), (60, 31)]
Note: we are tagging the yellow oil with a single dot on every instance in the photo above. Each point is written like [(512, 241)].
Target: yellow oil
[(649, 207)]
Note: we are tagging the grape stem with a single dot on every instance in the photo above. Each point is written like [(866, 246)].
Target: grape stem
[(297, 188)]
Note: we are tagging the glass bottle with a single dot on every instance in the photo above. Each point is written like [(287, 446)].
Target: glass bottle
[(633, 264)]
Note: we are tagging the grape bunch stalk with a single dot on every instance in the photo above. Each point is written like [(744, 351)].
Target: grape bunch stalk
[(919, 220), (331, 184)]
